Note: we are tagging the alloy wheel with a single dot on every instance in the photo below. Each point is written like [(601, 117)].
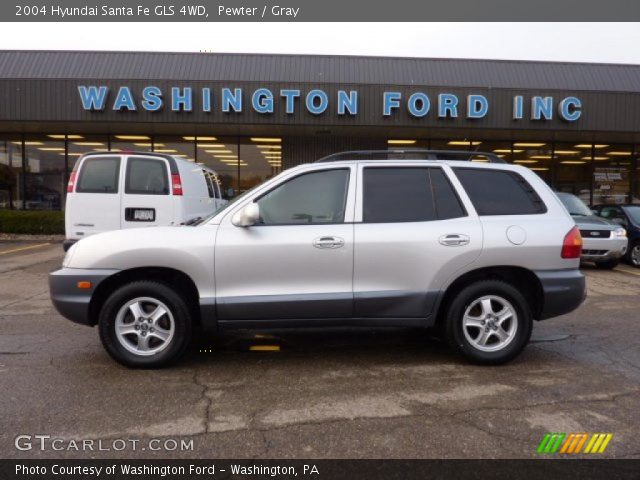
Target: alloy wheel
[(490, 323), (144, 326)]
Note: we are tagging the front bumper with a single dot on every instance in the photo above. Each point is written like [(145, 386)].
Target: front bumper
[(70, 301), (562, 291), (602, 249)]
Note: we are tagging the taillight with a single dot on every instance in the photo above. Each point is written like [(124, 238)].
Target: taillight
[(72, 182), (176, 184), (572, 244)]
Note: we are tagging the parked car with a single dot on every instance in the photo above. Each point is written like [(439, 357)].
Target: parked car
[(603, 242), (340, 242), (112, 191), (627, 216)]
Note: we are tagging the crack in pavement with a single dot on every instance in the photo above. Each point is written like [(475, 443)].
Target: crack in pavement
[(207, 401), (24, 299)]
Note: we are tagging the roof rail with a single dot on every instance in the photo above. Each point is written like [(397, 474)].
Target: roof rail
[(411, 154)]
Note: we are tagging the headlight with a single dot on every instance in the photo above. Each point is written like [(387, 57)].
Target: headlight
[(69, 254), (619, 233)]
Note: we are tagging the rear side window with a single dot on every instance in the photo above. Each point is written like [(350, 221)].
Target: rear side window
[(146, 176), (448, 204), (397, 195), (207, 179), (499, 192), (99, 175)]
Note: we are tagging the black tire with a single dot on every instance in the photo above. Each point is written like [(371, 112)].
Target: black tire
[(608, 264), (181, 319), (630, 255), (454, 330)]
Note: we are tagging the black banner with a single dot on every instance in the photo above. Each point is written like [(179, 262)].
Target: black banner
[(319, 469), (317, 11)]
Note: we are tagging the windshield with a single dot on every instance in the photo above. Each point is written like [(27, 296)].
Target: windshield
[(574, 205), (224, 207), (634, 212)]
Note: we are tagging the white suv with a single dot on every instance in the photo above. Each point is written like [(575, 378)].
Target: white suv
[(477, 250)]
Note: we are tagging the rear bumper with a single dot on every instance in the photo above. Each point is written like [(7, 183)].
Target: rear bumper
[(70, 301), (563, 291)]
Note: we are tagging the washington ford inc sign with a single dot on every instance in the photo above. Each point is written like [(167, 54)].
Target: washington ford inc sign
[(316, 102)]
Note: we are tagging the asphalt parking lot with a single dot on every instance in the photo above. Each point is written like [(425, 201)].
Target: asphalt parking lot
[(343, 394)]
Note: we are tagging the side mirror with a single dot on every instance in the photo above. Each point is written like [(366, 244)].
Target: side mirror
[(246, 217), (230, 193), (619, 221), (595, 212)]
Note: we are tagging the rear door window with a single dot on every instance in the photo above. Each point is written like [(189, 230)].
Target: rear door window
[(397, 194), (448, 204), (99, 175), (146, 176), (499, 192)]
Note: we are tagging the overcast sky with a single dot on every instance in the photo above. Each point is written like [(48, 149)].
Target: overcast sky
[(581, 42)]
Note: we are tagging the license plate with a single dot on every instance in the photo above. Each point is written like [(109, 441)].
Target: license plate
[(144, 215)]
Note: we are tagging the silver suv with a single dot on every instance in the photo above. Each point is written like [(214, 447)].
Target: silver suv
[(474, 249)]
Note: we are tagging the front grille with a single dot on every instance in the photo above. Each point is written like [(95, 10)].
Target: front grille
[(595, 233), (593, 252)]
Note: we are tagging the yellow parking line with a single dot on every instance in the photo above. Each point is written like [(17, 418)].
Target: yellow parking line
[(30, 247), (629, 270), (264, 348)]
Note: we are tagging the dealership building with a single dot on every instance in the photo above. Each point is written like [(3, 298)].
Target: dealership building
[(249, 116)]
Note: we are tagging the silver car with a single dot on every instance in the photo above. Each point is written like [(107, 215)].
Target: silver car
[(474, 250), (603, 242)]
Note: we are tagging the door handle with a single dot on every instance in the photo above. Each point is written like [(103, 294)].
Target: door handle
[(328, 242), (454, 240)]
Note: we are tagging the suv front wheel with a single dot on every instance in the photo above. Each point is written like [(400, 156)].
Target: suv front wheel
[(489, 322), (145, 324), (633, 255)]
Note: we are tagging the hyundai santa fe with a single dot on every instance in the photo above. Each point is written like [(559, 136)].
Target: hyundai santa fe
[(463, 243)]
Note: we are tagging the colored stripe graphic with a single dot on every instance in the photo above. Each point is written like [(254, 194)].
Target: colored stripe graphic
[(551, 442), (606, 441), (580, 443), (572, 443), (543, 443)]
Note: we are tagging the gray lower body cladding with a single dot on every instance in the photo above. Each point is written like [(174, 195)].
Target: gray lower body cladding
[(69, 300), (562, 291)]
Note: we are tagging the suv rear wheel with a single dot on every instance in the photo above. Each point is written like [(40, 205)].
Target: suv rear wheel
[(488, 322), (145, 324)]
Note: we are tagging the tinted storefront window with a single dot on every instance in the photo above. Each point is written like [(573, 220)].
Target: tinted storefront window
[(221, 155), (261, 159), (78, 145), (181, 147), (536, 155), (572, 163), (131, 143), (635, 198), (501, 149), (598, 173), (45, 173), (10, 172), (612, 168)]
